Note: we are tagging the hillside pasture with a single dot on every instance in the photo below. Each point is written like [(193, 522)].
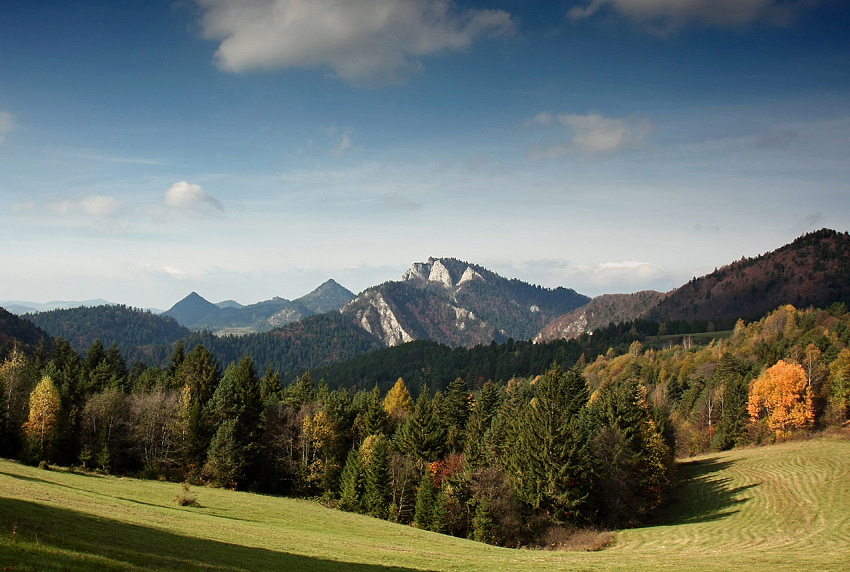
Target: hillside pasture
[(777, 508)]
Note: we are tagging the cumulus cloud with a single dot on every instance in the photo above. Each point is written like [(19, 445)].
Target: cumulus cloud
[(618, 277), (666, 16), (93, 205), (192, 199), (361, 40), (7, 123), (593, 134)]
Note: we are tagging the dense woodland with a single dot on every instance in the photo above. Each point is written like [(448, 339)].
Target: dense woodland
[(589, 440)]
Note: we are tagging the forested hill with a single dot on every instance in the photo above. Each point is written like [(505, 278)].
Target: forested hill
[(313, 342), (130, 329), (598, 313), (814, 270), (20, 332)]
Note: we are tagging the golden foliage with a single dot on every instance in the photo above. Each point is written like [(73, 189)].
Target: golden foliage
[(398, 400), (45, 405), (782, 395)]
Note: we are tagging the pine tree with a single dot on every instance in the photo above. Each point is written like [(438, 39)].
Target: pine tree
[(198, 375), (483, 524), (456, 413), (422, 435), (424, 513), (550, 463), (440, 512), (271, 389), (352, 483), (375, 420), (377, 487), (225, 464), (237, 400)]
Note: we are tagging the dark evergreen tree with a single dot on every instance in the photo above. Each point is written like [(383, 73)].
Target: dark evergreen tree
[(198, 375), (550, 464), (352, 483), (226, 463), (456, 413), (378, 495), (422, 435), (423, 516), (237, 399), (271, 390), (375, 419)]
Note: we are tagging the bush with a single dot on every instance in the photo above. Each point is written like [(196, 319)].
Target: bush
[(186, 498)]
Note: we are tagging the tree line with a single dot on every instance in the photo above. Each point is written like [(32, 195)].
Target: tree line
[(586, 443)]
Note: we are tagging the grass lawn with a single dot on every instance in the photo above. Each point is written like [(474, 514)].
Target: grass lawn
[(784, 507)]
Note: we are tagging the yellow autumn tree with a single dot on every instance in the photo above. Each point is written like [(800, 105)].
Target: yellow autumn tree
[(782, 395), (45, 405), (398, 401)]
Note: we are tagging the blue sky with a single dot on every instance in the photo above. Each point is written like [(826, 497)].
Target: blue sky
[(254, 148)]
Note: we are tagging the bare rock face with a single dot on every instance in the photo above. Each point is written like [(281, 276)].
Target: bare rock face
[(377, 318), (439, 273), (469, 275)]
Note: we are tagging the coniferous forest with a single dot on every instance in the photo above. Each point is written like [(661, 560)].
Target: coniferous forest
[(587, 439)]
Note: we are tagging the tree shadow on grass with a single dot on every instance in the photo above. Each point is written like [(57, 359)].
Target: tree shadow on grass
[(36, 536), (703, 494)]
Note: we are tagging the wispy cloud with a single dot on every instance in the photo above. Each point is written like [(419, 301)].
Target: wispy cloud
[(192, 199), (593, 135), (666, 16), (93, 205), (361, 40)]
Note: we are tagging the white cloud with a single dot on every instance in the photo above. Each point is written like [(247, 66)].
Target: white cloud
[(618, 277), (7, 123), (593, 134), (666, 16), (93, 205), (361, 40), (192, 199)]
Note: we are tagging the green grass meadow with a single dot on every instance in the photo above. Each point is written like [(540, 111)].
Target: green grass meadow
[(783, 507)]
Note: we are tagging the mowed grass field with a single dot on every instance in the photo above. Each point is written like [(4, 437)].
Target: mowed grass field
[(777, 508)]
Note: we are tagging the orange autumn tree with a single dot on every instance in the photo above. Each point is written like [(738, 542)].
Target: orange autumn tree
[(783, 396)]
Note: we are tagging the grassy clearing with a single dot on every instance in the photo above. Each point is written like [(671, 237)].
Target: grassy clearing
[(774, 508)]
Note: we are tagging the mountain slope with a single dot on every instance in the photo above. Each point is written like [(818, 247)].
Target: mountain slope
[(230, 317), (598, 313), (326, 298), (18, 331), (127, 327), (814, 270), (458, 304), (192, 309)]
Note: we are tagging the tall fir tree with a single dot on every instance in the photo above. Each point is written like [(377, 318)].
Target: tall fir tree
[(422, 435), (550, 464), (352, 483), (377, 494)]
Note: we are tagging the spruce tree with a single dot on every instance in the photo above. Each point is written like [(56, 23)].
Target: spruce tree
[(456, 413), (422, 435), (237, 400), (352, 483), (375, 420), (377, 487), (550, 463), (425, 498)]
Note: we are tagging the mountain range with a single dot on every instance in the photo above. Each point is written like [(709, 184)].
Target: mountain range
[(230, 317), (461, 304)]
